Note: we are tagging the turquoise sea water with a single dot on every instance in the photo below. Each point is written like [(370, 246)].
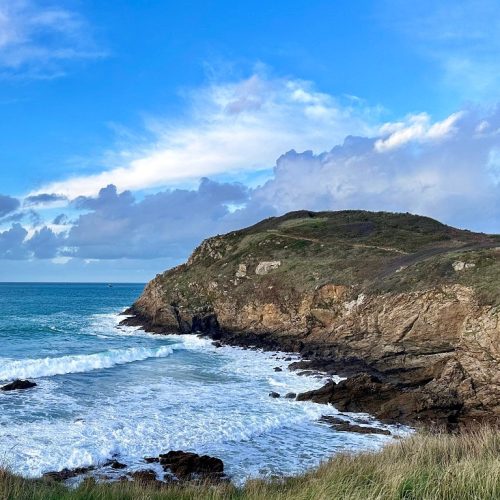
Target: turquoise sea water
[(106, 391)]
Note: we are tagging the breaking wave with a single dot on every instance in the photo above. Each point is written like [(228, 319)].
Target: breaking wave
[(47, 367)]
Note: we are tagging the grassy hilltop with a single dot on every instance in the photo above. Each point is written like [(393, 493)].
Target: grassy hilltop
[(372, 251)]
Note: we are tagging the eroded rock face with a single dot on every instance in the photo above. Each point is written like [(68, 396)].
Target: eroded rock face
[(433, 346), (439, 339)]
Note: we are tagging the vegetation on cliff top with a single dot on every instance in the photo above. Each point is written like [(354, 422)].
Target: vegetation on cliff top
[(375, 252), (424, 466)]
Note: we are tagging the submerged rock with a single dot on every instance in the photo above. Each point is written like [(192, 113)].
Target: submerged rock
[(114, 464), (17, 385), (344, 426), (273, 394), (290, 395)]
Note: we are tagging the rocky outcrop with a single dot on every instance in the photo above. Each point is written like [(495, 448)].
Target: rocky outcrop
[(423, 338), (340, 425), (186, 465)]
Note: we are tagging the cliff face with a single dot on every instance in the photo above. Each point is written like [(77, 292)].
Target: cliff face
[(410, 303)]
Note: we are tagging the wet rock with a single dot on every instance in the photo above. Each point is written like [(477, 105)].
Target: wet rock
[(278, 369), (114, 464), (290, 395), (206, 323), (144, 476), (152, 460), (217, 344), (187, 465), (66, 474), (288, 358), (17, 385), (389, 403), (274, 394), (341, 425)]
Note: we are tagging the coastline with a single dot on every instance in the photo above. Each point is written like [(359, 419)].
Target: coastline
[(364, 390)]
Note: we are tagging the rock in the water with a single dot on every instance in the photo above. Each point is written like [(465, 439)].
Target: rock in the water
[(290, 395), (278, 369), (144, 476), (114, 464), (344, 426), (367, 393), (65, 474), (152, 460), (18, 385), (186, 465), (217, 344), (274, 394)]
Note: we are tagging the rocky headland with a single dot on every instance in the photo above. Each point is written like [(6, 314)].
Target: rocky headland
[(404, 306)]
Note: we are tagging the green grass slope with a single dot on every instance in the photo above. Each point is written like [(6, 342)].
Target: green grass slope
[(375, 252)]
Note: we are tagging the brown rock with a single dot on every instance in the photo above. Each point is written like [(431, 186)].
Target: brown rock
[(186, 465)]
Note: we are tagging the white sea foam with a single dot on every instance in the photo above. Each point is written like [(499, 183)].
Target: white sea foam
[(48, 367), (209, 400)]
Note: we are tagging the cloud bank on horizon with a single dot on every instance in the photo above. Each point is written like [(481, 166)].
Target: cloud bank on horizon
[(448, 169), (241, 150)]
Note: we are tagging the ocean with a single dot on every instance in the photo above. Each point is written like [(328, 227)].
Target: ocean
[(108, 391)]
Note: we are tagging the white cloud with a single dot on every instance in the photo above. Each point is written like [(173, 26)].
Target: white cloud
[(417, 128), (231, 127), (36, 40), (453, 175)]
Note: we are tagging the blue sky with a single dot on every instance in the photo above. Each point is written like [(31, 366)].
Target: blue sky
[(189, 111)]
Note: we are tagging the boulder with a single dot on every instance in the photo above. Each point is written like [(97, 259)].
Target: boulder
[(242, 271), (18, 385), (265, 267), (114, 464), (187, 465), (144, 476), (66, 474), (275, 395)]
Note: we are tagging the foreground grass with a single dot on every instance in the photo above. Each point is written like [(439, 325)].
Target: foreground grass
[(424, 466)]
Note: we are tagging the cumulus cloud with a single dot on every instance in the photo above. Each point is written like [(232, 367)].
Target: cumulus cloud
[(454, 177), (230, 128), (36, 39), (12, 242), (8, 205), (449, 170), (168, 223)]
